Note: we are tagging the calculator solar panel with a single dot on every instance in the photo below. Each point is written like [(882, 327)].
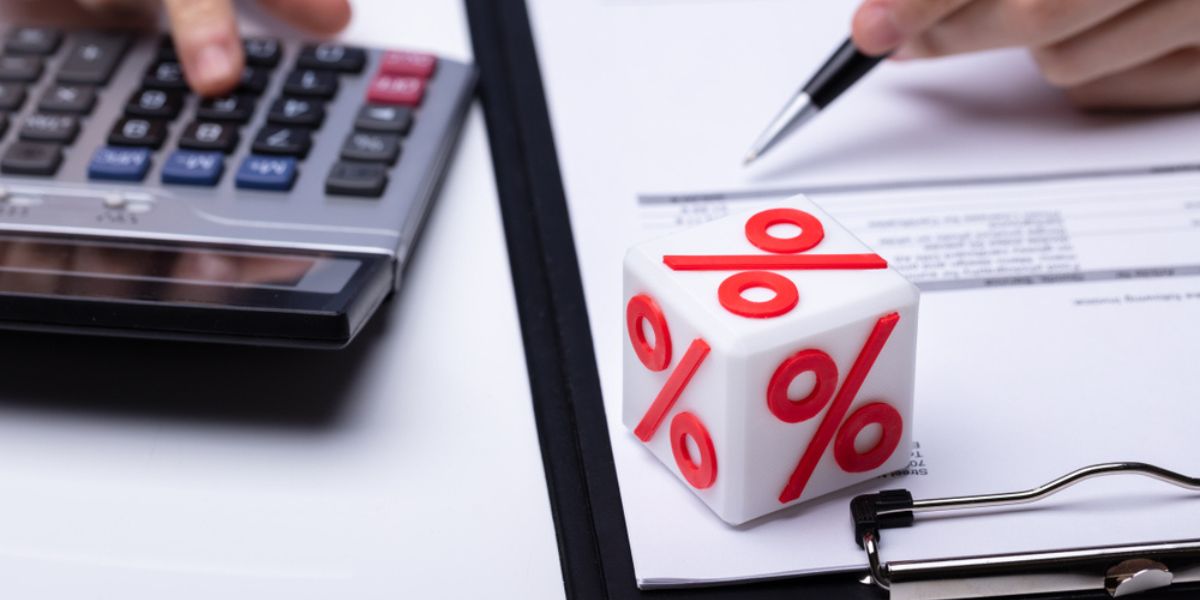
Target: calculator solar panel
[(282, 213)]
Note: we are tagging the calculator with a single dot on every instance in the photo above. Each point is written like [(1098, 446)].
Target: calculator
[(282, 214)]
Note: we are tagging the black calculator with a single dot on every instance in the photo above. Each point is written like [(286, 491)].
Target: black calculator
[(282, 213)]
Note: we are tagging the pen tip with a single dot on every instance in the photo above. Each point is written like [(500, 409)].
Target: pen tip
[(749, 158)]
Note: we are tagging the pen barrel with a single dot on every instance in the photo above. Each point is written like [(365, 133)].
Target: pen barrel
[(845, 67)]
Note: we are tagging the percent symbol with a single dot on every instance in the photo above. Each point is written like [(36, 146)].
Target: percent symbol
[(786, 256), (832, 427), (641, 312)]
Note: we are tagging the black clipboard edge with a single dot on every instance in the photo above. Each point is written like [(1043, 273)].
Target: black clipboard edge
[(569, 413)]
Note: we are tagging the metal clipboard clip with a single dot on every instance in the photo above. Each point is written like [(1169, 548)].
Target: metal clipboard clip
[(1121, 570)]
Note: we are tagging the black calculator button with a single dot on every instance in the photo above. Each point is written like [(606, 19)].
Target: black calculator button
[(50, 128), (20, 68), (356, 179), (166, 49), (235, 108), (207, 135), (33, 40), (262, 52), (371, 147), (166, 75), (296, 111), (334, 57), (310, 83), (68, 98), (92, 58), (12, 96), (254, 80), (31, 158), (136, 131), (157, 104), (384, 118), (288, 141)]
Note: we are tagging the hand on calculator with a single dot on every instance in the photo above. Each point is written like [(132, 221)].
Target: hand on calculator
[(206, 32)]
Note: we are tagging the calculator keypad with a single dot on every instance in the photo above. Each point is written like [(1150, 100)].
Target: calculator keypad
[(278, 142)]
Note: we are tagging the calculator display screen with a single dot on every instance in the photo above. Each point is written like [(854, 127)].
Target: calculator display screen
[(151, 271)]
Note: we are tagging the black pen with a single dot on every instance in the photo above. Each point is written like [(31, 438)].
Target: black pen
[(845, 67)]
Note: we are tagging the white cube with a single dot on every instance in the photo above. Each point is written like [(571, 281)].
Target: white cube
[(769, 358)]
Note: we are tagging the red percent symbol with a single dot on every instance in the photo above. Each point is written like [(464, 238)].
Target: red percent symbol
[(786, 256), (641, 312), (832, 427)]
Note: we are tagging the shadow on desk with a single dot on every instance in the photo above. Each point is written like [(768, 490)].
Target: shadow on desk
[(273, 387)]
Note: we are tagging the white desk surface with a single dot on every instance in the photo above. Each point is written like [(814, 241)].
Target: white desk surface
[(405, 467)]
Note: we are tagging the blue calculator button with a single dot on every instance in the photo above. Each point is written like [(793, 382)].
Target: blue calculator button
[(121, 164), (267, 173), (189, 167)]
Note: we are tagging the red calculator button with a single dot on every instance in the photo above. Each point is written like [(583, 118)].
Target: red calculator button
[(392, 89), (411, 64)]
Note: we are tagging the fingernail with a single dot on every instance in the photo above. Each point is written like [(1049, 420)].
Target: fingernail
[(214, 63), (879, 28), (903, 53)]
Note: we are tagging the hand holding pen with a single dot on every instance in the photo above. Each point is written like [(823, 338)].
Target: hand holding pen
[(1106, 54)]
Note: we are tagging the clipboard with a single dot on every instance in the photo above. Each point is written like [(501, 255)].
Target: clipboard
[(568, 409)]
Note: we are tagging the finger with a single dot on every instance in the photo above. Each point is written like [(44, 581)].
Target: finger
[(1172, 81), (1137, 36), (879, 26), (322, 17), (120, 6), (206, 39), (986, 24)]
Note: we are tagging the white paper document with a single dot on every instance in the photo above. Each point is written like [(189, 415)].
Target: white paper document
[(1058, 253)]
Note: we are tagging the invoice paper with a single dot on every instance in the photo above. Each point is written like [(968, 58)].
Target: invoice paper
[(1057, 251)]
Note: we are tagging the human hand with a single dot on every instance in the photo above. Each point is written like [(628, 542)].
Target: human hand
[(1104, 53), (206, 32)]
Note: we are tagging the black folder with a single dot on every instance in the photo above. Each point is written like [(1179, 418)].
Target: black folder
[(569, 412)]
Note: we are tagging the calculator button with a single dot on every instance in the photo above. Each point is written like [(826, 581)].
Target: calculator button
[(393, 89), (334, 57), (262, 52), (166, 49), (68, 98), (189, 167), (167, 75), (31, 158), (309, 83), (296, 111), (276, 173), (157, 104), (33, 40), (204, 135), (93, 58), (50, 128), (236, 108), (254, 80), (136, 131), (275, 139), (388, 119), (20, 68), (119, 164), (356, 179), (410, 64), (371, 147), (12, 96)]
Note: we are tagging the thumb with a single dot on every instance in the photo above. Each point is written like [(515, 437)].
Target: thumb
[(880, 26), (206, 38)]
